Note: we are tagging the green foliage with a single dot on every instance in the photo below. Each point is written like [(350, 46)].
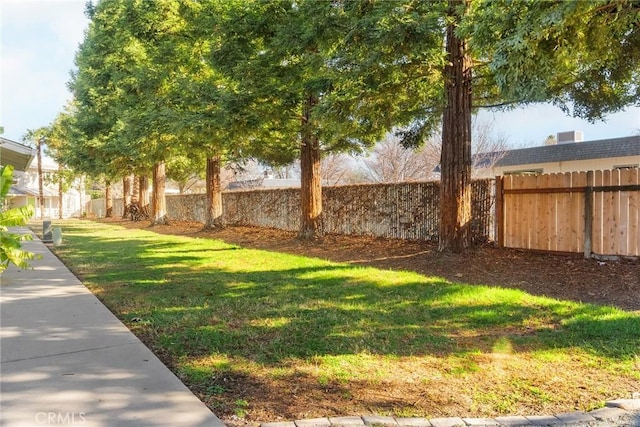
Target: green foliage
[(10, 243), (346, 56), (241, 407), (104, 88), (63, 178), (61, 138), (582, 56), (163, 78), (181, 169), (167, 77), (144, 92), (32, 136)]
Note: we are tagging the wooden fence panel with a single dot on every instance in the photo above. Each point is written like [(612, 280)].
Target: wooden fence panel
[(598, 203), (616, 224), (526, 216), (576, 206), (633, 178), (616, 227), (541, 229), (526, 205), (607, 220), (509, 211), (564, 215), (550, 213), (568, 222), (623, 232), (543, 219)]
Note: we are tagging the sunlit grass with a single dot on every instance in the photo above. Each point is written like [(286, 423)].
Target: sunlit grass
[(213, 310)]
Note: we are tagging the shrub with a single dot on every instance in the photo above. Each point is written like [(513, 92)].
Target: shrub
[(11, 243)]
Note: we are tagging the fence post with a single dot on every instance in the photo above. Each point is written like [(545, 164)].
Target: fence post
[(588, 215), (500, 211)]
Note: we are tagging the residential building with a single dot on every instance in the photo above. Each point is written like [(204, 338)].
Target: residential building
[(25, 189), (569, 154), (15, 154)]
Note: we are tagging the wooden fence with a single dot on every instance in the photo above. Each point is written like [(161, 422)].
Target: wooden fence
[(596, 213)]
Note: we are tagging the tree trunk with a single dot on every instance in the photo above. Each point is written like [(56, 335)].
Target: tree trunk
[(310, 179), (455, 162), (108, 201), (135, 190), (60, 192), (214, 194), (126, 195), (40, 183), (159, 202), (144, 194), (82, 189)]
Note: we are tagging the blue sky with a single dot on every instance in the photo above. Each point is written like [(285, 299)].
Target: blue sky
[(39, 39)]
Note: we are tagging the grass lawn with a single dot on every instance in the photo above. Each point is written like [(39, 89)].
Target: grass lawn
[(263, 335)]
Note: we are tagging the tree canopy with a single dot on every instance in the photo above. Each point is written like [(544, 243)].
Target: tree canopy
[(274, 80), (582, 56)]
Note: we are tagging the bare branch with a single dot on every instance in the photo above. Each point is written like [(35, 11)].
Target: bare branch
[(391, 162)]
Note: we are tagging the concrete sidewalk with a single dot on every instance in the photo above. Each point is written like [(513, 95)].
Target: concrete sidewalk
[(67, 360)]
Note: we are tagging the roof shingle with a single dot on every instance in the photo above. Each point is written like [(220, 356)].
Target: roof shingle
[(600, 149)]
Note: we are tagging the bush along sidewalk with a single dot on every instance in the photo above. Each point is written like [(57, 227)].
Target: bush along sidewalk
[(11, 251)]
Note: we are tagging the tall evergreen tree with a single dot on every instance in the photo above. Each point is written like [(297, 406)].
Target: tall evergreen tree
[(295, 65), (165, 103), (475, 54)]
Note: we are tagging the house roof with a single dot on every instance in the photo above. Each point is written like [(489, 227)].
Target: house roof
[(587, 150), (17, 191), (17, 155)]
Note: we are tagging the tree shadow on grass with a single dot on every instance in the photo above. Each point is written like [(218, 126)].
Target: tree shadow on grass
[(260, 309), (297, 336), (269, 328)]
